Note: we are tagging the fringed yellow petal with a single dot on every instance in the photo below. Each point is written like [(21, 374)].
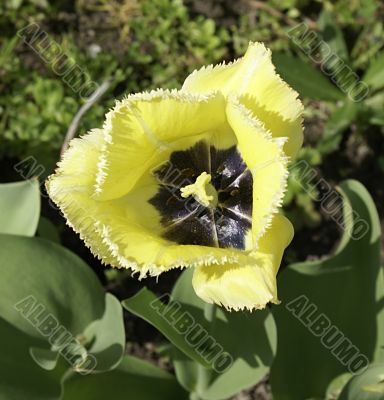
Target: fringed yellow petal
[(250, 285), (276, 239), (275, 123), (266, 160), (125, 232), (253, 74), (144, 128), (71, 188), (269, 97)]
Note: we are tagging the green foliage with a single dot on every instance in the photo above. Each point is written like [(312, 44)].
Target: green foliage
[(315, 77), (342, 117), (249, 359), (332, 36), (133, 378), (367, 386), (374, 75), (38, 106), (299, 200), (315, 85), (43, 287), (42, 120), (175, 44), (47, 339), (19, 207), (146, 305), (251, 356), (351, 279), (16, 362)]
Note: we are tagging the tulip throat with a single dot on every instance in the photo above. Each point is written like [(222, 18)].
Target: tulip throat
[(204, 197), (202, 190)]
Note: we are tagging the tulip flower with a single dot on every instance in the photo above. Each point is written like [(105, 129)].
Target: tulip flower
[(191, 178)]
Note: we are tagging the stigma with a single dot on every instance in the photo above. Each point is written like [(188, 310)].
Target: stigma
[(202, 190)]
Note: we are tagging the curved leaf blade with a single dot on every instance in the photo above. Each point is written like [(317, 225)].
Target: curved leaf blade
[(345, 288), (19, 207), (42, 279), (107, 336), (147, 306), (133, 378), (367, 386), (21, 378), (305, 78), (248, 338)]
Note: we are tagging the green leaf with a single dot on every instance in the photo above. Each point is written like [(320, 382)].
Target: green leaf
[(47, 230), (40, 278), (19, 207), (367, 386), (107, 336), (305, 78), (43, 288), (340, 120), (252, 351), (147, 306), (335, 387), (374, 76), (375, 108), (47, 359), (21, 378), (347, 289), (186, 369), (132, 379), (332, 36), (377, 119)]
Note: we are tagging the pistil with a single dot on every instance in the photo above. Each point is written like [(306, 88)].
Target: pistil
[(202, 190)]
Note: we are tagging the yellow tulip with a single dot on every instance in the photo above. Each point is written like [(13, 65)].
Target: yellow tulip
[(191, 178)]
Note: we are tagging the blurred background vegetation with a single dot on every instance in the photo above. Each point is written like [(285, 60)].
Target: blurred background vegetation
[(144, 44)]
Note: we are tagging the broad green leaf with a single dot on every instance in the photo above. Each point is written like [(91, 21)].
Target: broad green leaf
[(333, 39), (47, 359), (367, 386), (335, 387), (249, 339), (46, 230), (21, 378), (19, 207), (343, 116), (107, 336), (40, 278), (147, 306), (51, 295), (374, 76), (347, 290), (305, 78), (186, 369), (133, 379)]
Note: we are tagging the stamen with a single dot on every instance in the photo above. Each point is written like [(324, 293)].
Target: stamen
[(202, 191)]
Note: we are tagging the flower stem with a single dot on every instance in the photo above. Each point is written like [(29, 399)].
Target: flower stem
[(204, 374)]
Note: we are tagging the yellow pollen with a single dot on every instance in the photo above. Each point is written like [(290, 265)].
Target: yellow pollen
[(201, 190)]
